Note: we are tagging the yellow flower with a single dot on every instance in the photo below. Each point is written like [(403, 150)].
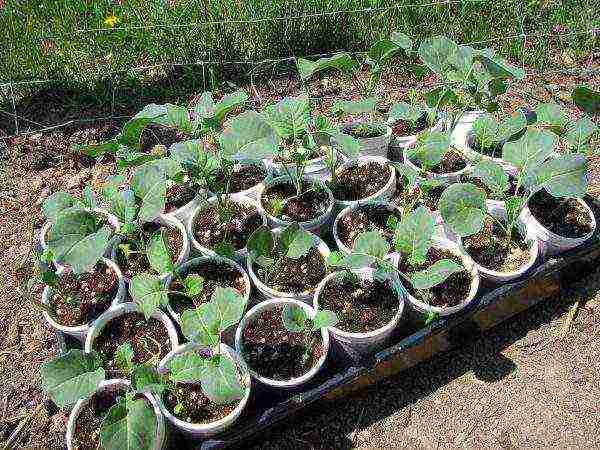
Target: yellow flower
[(111, 20)]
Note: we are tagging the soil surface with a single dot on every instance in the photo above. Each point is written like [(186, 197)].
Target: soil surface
[(179, 195), (91, 416), (80, 299), (364, 130), (361, 305), (273, 352), (148, 339), (214, 274), (488, 248), (245, 176), (232, 223), (565, 217), (296, 276), (137, 263), (193, 406), (360, 181), (280, 200), (366, 218), (451, 292), (406, 128), (452, 162)]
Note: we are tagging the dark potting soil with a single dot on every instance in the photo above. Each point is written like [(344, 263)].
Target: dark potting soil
[(364, 130), (91, 416), (148, 339), (295, 275), (360, 181), (366, 218), (312, 203), (563, 216), (137, 263), (245, 176), (406, 128), (232, 222), (361, 305), (488, 248), (451, 292), (495, 151), (452, 162), (273, 352), (155, 134), (512, 187), (179, 195), (214, 274), (82, 298)]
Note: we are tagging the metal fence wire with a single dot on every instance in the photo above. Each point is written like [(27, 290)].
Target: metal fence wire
[(527, 47)]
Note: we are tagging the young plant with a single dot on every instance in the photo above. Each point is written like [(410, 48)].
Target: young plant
[(340, 61), (490, 134), (412, 113), (415, 187), (268, 249), (368, 106), (430, 150), (341, 145)]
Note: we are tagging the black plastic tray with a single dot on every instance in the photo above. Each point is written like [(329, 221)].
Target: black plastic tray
[(347, 372)]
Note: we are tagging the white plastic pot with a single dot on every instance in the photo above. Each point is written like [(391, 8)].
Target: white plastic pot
[(336, 237), (315, 169), (402, 142), (499, 212), (80, 332), (553, 243), (254, 190), (375, 146), (267, 293), (383, 194), (184, 212), (205, 430), (125, 308), (185, 267), (313, 225), (118, 385), (112, 220), (362, 342), (265, 306), (168, 221), (450, 177), (442, 242), (239, 255)]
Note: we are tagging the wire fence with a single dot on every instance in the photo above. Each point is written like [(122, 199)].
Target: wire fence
[(257, 69)]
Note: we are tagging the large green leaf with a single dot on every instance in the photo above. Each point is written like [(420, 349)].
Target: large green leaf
[(96, 150), (430, 149), (294, 318), (175, 117), (188, 367), (347, 144), (552, 115), (145, 378), (290, 117), (371, 243), (579, 133), (587, 99), (534, 147), (492, 174), (564, 176), (510, 126), (122, 204), (249, 135), (148, 292), (462, 206), (57, 203), (485, 129), (158, 254), (77, 240), (149, 183), (129, 425), (324, 318), (221, 381), (402, 40), (405, 111), (363, 106), (435, 274), (437, 53), (205, 108), (382, 50), (340, 61), (261, 242), (71, 377), (295, 242), (228, 103), (133, 129), (413, 235), (500, 68)]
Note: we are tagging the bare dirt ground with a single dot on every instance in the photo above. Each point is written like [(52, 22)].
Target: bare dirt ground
[(526, 384)]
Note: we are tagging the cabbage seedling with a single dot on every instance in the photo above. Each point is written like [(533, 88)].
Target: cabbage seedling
[(490, 134), (430, 150)]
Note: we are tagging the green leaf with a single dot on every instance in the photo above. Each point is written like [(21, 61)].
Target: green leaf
[(193, 284), (440, 97), (150, 185), (579, 133), (122, 204), (382, 51), (96, 150), (347, 144), (261, 242), (436, 274), (323, 319), (335, 258), (530, 150), (413, 235), (88, 198), (71, 377), (485, 129), (228, 103), (405, 111), (148, 292), (371, 243), (462, 206), (437, 53), (158, 254), (409, 173), (249, 135), (402, 40), (230, 306), (587, 99), (133, 129), (145, 378), (124, 357), (514, 205), (492, 174), (175, 117), (294, 318), (355, 261), (340, 61), (500, 68), (129, 425), (221, 382), (510, 126), (363, 106), (290, 117), (295, 242), (57, 203), (188, 367), (205, 108), (564, 176), (430, 149), (552, 115)]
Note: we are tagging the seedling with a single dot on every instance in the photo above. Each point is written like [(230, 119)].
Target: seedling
[(268, 249), (415, 188), (412, 113), (491, 135), (430, 150)]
